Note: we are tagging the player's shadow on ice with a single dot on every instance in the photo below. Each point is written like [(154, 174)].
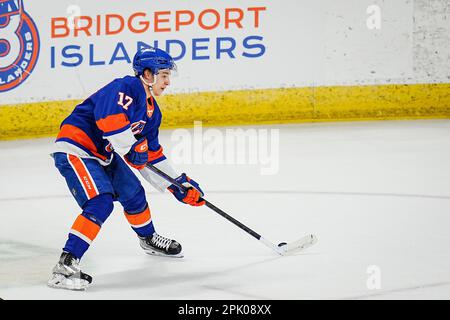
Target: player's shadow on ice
[(157, 275)]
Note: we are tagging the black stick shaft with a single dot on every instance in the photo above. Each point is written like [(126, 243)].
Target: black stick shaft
[(207, 203), (232, 220)]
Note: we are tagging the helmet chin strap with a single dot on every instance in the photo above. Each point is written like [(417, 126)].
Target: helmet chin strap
[(149, 85)]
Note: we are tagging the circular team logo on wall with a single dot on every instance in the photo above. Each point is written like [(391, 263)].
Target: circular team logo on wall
[(19, 44)]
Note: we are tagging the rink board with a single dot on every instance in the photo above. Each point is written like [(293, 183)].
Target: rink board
[(263, 106)]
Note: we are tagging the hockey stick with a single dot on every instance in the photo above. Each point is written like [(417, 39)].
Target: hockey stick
[(283, 248)]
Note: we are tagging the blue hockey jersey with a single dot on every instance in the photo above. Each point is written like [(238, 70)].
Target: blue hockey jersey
[(111, 120)]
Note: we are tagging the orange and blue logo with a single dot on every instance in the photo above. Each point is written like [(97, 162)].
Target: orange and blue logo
[(19, 44)]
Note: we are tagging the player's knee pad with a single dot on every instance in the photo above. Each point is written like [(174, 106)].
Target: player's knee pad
[(136, 204), (99, 207)]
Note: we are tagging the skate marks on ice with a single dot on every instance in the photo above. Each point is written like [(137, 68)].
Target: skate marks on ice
[(160, 271), (417, 289), (189, 279), (334, 193), (24, 264), (37, 197), (309, 192)]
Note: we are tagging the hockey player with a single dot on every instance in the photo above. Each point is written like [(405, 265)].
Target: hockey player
[(116, 126)]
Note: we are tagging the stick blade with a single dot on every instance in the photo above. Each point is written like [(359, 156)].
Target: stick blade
[(299, 245)]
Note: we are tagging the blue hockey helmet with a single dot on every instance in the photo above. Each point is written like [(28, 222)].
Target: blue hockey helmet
[(154, 59)]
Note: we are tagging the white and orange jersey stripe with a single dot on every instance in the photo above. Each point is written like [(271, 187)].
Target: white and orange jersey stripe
[(85, 229), (85, 178), (139, 220)]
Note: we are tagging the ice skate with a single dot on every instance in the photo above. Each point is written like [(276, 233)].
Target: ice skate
[(160, 246), (67, 274)]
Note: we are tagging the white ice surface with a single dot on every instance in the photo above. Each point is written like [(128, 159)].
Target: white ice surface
[(375, 193)]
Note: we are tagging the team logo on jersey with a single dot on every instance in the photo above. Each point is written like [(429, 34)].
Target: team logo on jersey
[(137, 127), (19, 44)]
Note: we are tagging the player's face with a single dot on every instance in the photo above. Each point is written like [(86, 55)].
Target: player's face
[(162, 82)]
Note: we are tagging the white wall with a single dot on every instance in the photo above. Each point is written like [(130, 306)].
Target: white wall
[(307, 43)]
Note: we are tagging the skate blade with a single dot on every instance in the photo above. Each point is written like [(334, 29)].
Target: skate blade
[(61, 282), (156, 253), (58, 286)]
